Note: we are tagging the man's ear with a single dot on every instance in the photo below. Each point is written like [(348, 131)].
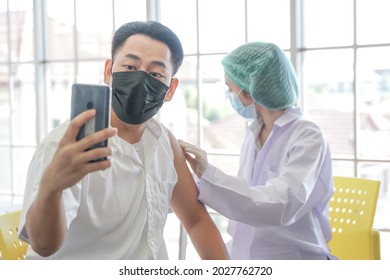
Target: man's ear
[(171, 90), (107, 71)]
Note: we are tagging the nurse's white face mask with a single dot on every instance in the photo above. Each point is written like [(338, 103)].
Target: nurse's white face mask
[(248, 111)]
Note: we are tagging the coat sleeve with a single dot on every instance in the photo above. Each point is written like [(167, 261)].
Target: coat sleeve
[(294, 191)]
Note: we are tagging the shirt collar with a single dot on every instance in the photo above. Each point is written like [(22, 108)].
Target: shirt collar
[(154, 127), (288, 116)]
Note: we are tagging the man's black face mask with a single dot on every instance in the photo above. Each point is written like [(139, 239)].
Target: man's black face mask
[(136, 96)]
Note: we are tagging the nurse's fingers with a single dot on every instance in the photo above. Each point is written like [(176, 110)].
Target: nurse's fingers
[(196, 152), (186, 144), (192, 149), (189, 157), (198, 161)]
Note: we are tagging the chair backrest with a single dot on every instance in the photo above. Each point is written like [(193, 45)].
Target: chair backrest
[(11, 247), (351, 214)]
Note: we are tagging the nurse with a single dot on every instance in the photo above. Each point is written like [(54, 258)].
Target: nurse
[(278, 202)]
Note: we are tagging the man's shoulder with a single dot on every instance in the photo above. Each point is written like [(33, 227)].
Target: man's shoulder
[(157, 129), (57, 133), (163, 135)]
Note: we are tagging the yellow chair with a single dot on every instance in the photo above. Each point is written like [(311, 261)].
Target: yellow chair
[(351, 214), (11, 248)]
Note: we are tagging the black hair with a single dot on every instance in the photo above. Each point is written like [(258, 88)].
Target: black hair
[(154, 30)]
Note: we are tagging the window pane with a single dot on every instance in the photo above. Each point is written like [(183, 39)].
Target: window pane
[(4, 106), (184, 24), (21, 30), (60, 29), (91, 72), (23, 105), (379, 171), (221, 26), (3, 32), (5, 170), (172, 236), (6, 202), (343, 168), (328, 92), (94, 29), (188, 86), (180, 114), (21, 161), (223, 128), (269, 21), (328, 23), (129, 10), (61, 78), (373, 89), (373, 21)]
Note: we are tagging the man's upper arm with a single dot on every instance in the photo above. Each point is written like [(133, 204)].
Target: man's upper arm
[(184, 200)]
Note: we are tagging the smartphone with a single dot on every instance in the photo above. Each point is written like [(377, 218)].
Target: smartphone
[(85, 97)]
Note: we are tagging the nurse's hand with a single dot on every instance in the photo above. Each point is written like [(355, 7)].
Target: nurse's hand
[(73, 160), (196, 157)]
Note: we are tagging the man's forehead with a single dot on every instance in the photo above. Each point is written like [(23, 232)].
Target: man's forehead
[(145, 44)]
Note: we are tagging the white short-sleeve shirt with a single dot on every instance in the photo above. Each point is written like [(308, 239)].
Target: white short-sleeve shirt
[(118, 213)]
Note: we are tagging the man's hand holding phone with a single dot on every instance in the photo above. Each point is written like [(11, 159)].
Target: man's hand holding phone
[(73, 159), (83, 148)]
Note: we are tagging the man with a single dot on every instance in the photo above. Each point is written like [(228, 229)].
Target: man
[(76, 208)]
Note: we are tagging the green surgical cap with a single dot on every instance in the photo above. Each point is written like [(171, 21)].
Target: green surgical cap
[(264, 71)]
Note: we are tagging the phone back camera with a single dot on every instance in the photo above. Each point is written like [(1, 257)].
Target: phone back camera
[(89, 105)]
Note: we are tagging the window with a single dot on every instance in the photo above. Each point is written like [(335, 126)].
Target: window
[(17, 98), (346, 86)]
